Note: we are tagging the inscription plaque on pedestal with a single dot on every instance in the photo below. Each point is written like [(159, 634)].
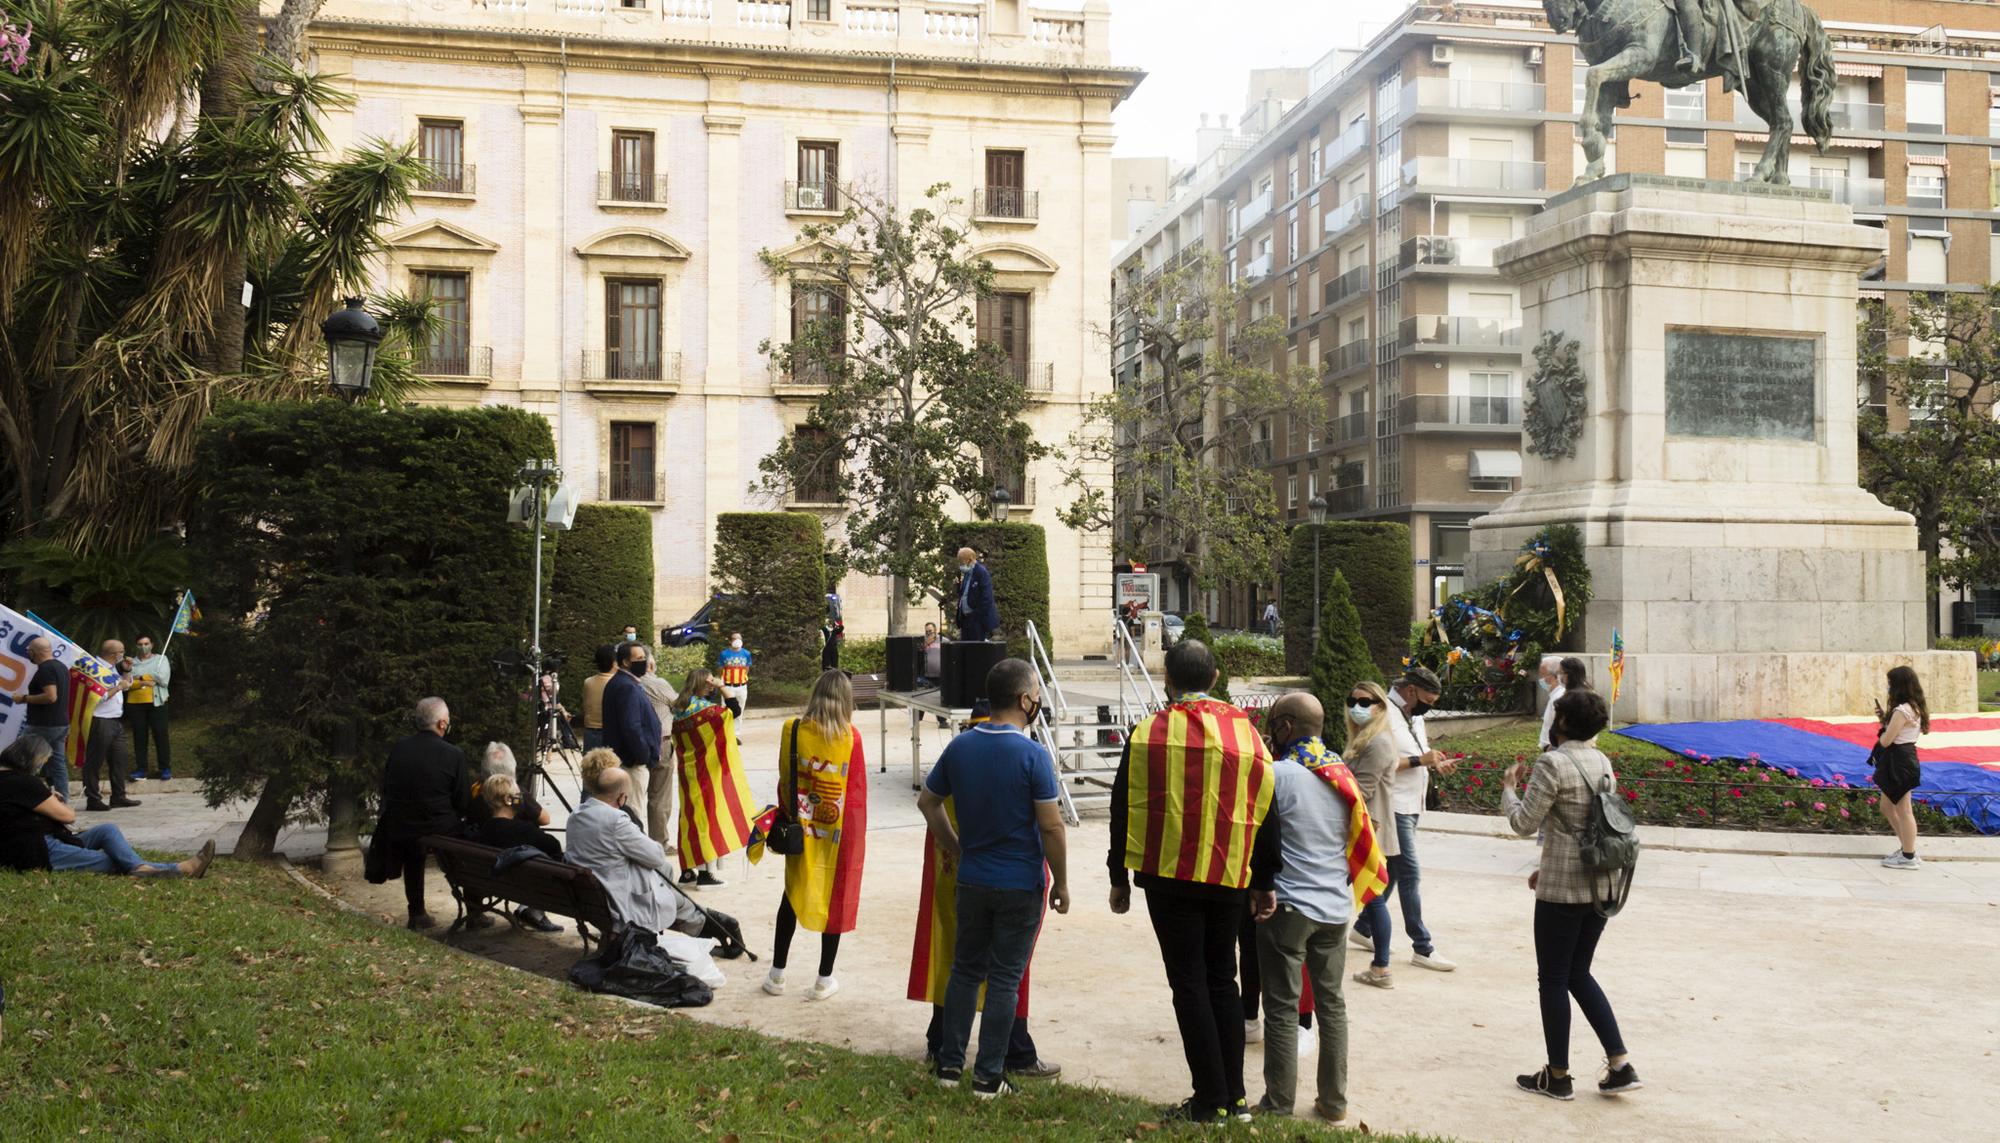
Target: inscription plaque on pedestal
[(1741, 385)]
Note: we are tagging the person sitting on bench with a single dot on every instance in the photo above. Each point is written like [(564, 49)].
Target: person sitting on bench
[(502, 827), (632, 867)]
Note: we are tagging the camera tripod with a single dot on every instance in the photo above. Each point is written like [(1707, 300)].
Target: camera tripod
[(554, 742)]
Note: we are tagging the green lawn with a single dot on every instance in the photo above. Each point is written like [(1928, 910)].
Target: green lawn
[(246, 1007), (1989, 690), (1519, 739)]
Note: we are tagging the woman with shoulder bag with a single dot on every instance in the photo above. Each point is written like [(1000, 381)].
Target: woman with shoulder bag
[(823, 794), (1895, 756), (1568, 922)]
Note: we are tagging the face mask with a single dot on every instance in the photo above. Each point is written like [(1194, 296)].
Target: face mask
[(736, 644), (1418, 709), (1544, 684), (145, 650), (1361, 714), (631, 636), (1035, 712), (637, 667)]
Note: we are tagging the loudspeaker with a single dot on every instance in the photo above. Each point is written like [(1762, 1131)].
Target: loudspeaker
[(906, 652), (966, 666)]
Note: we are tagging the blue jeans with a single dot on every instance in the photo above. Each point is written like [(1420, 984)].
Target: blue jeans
[(56, 770), (1405, 875), (592, 739), (1375, 924), (996, 935), (104, 850)]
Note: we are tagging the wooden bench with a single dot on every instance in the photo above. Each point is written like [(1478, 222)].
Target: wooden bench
[(867, 689), (551, 886)]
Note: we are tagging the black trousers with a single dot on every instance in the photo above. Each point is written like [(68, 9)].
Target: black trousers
[(788, 927), (1021, 1051), (1565, 940), (414, 858), (1197, 928), (148, 721)]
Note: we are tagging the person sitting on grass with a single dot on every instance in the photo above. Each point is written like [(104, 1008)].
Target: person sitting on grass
[(35, 834)]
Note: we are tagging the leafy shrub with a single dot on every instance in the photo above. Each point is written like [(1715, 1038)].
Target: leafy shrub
[(1250, 655), (675, 663), (603, 579), (864, 656), (1018, 557), (1377, 560), (773, 564), (1342, 658)]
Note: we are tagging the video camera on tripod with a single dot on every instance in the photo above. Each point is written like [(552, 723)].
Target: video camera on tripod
[(553, 731)]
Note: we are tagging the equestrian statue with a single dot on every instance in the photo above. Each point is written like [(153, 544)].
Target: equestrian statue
[(1751, 44)]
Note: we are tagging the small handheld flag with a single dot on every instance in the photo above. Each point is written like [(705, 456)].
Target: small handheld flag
[(1617, 663), (185, 614)]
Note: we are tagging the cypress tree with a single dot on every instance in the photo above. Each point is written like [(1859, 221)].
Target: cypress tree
[(1341, 659)]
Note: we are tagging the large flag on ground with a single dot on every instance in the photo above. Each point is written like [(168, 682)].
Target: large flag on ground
[(937, 928), (1198, 785), (88, 672), (1367, 869), (715, 798), (829, 785)]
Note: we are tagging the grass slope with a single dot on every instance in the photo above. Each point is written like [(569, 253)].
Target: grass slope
[(246, 1007)]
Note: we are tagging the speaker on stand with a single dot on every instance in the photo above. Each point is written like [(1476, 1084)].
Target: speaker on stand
[(906, 652), (966, 665)]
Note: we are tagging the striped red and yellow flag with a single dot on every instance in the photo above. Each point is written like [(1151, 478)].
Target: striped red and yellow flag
[(937, 929), (1198, 785), (83, 700), (1367, 869), (716, 809)]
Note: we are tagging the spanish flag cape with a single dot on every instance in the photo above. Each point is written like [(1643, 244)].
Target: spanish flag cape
[(1198, 784), (829, 782), (715, 799), (937, 928), (83, 700), (1367, 869)]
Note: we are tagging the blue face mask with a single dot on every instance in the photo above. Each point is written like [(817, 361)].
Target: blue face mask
[(1543, 682), (1361, 714)]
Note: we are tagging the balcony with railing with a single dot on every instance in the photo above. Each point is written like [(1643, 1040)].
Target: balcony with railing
[(1257, 268), (1037, 377), (455, 363), (625, 371), (1349, 500), (1253, 212), (1346, 145), (447, 179), (1459, 414), (1471, 99), (1347, 214), (1436, 333), (1350, 429), (1860, 192), (1447, 252), (812, 197), (631, 484), (1347, 358), (625, 188), (1257, 454), (1847, 118), (1516, 176), (1347, 287), (1006, 204)]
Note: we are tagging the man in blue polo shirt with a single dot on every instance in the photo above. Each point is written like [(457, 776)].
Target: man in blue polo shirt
[(1009, 824)]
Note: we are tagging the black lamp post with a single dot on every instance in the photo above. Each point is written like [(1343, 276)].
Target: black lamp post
[(352, 336), (1002, 502), (1316, 506)]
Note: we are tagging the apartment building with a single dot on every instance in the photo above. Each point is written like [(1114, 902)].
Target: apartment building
[(1367, 218), (604, 173)]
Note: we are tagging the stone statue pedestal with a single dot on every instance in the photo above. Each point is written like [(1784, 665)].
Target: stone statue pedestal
[(1714, 474)]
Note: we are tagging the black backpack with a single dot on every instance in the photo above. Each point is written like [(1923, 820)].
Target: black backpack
[(1608, 843)]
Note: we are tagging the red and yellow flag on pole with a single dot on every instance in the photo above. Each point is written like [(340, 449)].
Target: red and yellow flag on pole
[(716, 809), (937, 928), (831, 803), (1198, 786), (83, 701)]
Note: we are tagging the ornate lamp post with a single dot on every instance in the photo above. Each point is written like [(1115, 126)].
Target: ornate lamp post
[(1002, 502), (352, 336), (1317, 506)]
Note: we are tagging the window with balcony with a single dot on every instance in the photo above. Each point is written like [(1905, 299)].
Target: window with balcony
[(1003, 323), (1925, 189), (441, 149), (818, 471), (1923, 100), (634, 461), (819, 331), (819, 177), (1006, 186), (1690, 102), (447, 351), (1002, 468), (632, 168), (632, 329), (1490, 399)]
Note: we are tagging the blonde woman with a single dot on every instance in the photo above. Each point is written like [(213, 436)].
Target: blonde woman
[(595, 763), (1372, 755), (823, 781)]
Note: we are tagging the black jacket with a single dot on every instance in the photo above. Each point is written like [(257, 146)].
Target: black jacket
[(631, 725), (425, 787)]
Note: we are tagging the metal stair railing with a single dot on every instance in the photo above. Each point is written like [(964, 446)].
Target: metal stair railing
[(1139, 691), (1055, 708)]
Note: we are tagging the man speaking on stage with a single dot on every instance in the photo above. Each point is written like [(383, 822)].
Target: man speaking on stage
[(978, 615)]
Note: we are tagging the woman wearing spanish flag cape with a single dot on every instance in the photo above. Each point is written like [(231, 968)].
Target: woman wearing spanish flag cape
[(716, 812), (823, 782)]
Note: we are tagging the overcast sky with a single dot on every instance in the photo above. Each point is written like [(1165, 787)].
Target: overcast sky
[(1198, 55)]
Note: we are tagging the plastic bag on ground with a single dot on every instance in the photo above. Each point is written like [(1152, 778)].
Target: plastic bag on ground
[(631, 963), (696, 954)]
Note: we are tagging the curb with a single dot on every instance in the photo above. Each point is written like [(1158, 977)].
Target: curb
[(1748, 843)]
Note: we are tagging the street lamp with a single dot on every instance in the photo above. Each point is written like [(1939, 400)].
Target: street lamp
[(1001, 503), (351, 339), (1317, 507)]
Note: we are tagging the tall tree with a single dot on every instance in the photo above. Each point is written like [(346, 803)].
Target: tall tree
[(914, 403), (1184, 443), (1944, 467)]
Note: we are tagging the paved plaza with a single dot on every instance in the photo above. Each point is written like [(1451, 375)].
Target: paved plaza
[(1763, 997)]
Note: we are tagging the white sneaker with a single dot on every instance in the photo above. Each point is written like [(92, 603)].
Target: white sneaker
[(1436, 962), (1308, 1042), (1365, 944), (1253, 1031), (1896, 860), (824, 988), (775, 983)]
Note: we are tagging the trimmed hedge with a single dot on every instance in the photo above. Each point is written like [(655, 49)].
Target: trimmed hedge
[(1341, 659), (1197, 630), (1018, 557), (1378, 563), (773, 565), (603, 580), (1247, 654)]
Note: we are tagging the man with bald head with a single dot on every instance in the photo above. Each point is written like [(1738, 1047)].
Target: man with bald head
[(605, 839), (47, 701), (978, 614), (107, 739), (1302, 895), (426, 789)]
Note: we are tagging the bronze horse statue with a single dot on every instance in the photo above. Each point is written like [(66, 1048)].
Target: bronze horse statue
[(1756, 43)]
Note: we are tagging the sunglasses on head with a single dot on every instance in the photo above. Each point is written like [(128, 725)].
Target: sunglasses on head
[(1364, 700)]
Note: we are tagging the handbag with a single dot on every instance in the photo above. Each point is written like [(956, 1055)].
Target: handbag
[(788, 837)]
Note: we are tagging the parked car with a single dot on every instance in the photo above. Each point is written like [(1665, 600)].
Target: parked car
[(697, 631), (1172, 628)]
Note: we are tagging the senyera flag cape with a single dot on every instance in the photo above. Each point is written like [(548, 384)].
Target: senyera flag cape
[(1198, 784), (937, 928), (716, 808), (829, 788), (1367, 869), (82, 711)]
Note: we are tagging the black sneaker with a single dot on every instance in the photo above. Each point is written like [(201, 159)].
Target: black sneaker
[(993, 1088), (1187, 1111), (687, 876), (1618, 1081), (1242, 1111), (947, 1077), (705, 879), (1547, 1083)]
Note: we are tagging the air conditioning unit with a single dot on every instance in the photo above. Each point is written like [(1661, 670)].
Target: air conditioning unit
[(812, 198), (1440, 53), (1534, 57)]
